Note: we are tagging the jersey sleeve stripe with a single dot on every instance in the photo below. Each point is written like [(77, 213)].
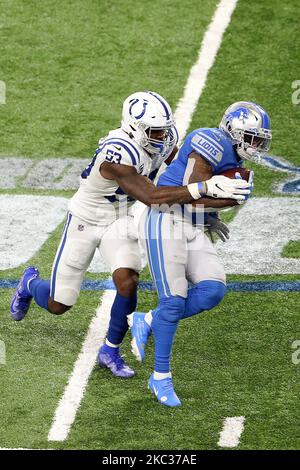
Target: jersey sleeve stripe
[(113, 139), (205, 136), (203, 152), (117, 142), (132, 146)]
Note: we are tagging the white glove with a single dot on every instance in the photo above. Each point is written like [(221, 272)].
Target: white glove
[(215, 225), (220, 186), (251, 176)]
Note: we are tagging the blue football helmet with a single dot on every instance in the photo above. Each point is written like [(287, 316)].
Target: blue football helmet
[(248, 126)]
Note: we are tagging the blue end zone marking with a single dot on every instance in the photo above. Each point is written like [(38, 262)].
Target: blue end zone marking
[(292, 187), (243, 286), (281, 165)]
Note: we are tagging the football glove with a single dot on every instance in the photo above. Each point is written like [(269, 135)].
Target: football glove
[(238, 177), (220, 186), (213, 224)]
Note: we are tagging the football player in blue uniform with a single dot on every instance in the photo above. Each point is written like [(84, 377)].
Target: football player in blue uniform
[(121, 171), (186, 254)]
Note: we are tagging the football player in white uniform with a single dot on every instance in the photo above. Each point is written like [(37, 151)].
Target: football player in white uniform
[(122, 168)]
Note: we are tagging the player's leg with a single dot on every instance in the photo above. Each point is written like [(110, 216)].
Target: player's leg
[(206, 272), (121, 253), (31, 286), (167, 259), (73, 256), (126, 282)]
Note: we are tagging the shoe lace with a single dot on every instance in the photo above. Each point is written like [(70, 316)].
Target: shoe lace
[(168, 386), (23, 298), (119, 362)]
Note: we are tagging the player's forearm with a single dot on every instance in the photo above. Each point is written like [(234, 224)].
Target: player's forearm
[(170, 195), (142, 189), (163, 195), (215, 203)]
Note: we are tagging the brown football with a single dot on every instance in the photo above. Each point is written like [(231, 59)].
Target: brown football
[(244, 172)]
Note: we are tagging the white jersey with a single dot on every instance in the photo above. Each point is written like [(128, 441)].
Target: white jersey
[(100, 201)]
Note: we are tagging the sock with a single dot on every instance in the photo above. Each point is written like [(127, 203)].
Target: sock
[(161, 376), (109, 350), (164, 324), (118, 325), (108, 343), (163, 339), (40, 291)]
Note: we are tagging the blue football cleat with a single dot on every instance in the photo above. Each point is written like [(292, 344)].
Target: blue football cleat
[(21, 299), (164, 391), (114, 362), (140, 331)]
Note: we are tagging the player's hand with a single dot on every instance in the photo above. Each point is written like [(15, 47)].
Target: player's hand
[(238, 177), (220, 186), (215, 225)]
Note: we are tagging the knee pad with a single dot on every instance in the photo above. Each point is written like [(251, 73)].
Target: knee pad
[(204, 296), (170, 309), (212, 292)]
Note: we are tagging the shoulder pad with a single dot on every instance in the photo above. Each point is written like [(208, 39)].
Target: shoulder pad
[(119, 150), (209, 144)]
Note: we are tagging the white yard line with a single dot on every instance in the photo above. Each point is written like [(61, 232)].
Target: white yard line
[(231, 432), (73, 394), (70, 402), (198, 75)]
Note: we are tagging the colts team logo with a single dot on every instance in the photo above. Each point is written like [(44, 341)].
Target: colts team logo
[(138, 108)]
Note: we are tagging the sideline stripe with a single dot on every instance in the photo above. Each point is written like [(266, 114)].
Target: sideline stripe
[(65, 414), (73, 394), (198, 75), (231, 432), (242, 286)]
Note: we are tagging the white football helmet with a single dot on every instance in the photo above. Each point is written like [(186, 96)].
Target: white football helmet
[(248, 126), (145, 117)]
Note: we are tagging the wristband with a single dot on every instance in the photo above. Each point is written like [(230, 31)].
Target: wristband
[(196, 190)]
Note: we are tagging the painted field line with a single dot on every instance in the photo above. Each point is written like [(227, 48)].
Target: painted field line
[(235, 286), (199, 72), (70, 402), (73, 394), (231, 432)]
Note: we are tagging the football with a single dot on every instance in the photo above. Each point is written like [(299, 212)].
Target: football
[(244, 172)]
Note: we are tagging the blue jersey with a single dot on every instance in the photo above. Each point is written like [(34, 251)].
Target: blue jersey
[(212, 144)]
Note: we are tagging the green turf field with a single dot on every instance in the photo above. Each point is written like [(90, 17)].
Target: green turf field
[(67, 69)]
